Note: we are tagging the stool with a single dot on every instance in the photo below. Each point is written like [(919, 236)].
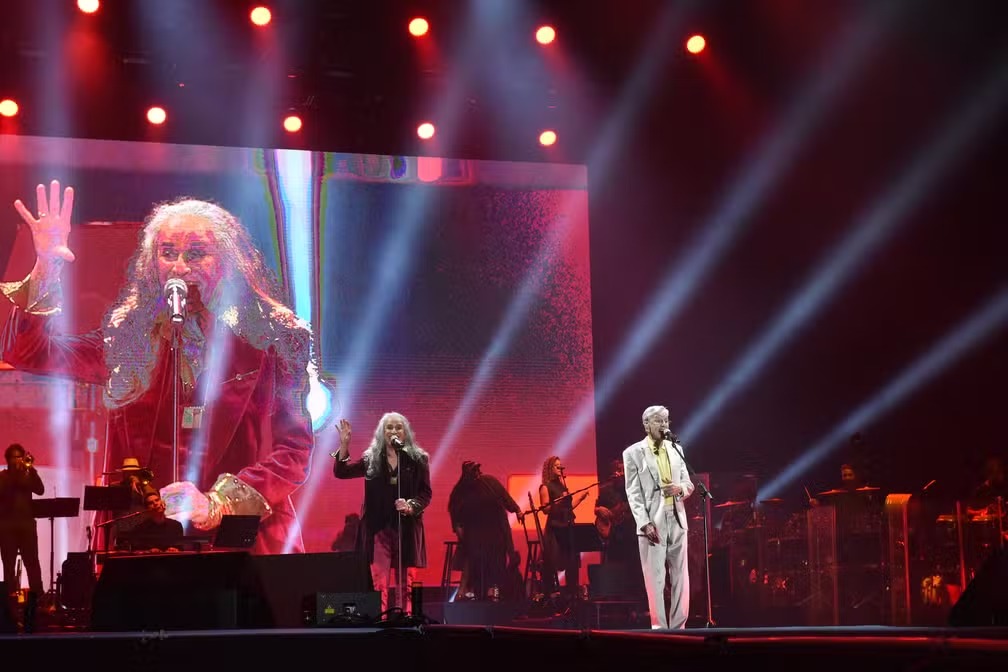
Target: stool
[(446, 572)]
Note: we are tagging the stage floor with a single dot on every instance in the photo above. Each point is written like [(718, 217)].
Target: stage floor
[(440, 647)]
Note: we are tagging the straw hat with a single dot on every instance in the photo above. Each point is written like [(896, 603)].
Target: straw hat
[(128, 464)]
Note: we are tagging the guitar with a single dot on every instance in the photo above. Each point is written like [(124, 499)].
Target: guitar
[(606, 518)]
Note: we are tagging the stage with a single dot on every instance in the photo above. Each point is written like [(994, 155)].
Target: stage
[(169, 610), (440, 647)]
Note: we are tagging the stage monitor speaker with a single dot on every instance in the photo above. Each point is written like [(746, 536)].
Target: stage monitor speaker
[(77, 581), (292, 581), (985, 600), (616, 581), (476, 612), (8, 620), (348, 609), (171, 591)]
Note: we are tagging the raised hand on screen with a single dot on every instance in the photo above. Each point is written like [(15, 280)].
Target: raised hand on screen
[(50, 224)]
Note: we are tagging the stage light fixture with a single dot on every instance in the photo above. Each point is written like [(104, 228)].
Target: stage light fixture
[(547, 138), (425, 130), (545, 34), (418, 27), (695, 44), (8, 108), (156, 115), (292, 123), (261, 16), (88, 6)]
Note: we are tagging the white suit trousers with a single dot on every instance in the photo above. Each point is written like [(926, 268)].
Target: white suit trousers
[(669, 555)]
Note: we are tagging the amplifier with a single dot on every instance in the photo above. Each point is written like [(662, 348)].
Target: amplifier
[(348, 609)]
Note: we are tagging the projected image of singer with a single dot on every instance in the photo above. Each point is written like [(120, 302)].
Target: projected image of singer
[(226, 419), (397, 490), (657, 482)]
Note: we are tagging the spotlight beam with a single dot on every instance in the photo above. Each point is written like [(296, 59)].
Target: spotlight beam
[(873, 229), (744, 195), (971, 333), (513, 320), (396, 267), (600, 159), (634, 92)]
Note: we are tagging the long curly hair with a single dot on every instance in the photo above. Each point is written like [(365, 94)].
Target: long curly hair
[(547, 469), (373, 454), (247, 299)]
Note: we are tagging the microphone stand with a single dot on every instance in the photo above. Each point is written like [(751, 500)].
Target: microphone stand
[(176, 375), (400, 574), (534, 510), (116, 520), (705, 495), (105, 524)]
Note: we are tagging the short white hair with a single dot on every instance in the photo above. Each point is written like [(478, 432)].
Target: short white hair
[(652, 411)]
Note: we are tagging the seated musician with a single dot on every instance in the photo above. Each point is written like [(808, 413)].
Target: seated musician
[(994, 485), (157, 532), (616, 528), (850, 483)]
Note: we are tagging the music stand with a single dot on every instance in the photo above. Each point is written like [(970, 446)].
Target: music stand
[(106, 498), (56, 507), (237, 532)]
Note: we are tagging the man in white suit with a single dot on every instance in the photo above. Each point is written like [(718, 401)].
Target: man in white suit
[(657, 482)]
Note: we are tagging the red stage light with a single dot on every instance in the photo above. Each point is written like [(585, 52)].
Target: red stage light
[(88, 6), (292, 123), (8, 108), (156, 115), (425, 130), (418, 27), (695, 44), (261, 16), (545, 34), (547, 138)]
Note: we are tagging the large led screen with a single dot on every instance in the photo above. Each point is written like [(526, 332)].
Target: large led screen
[(455, 292)]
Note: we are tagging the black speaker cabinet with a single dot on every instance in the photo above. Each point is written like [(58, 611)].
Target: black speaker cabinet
[(190, 591), (616, 581), (292, 581), (347, 609), (985, 600)]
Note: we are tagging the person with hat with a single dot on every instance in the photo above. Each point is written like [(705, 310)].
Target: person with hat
[(478, 507), (137, 480)]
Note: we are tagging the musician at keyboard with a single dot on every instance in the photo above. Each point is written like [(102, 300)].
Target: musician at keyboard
[(156, 532)]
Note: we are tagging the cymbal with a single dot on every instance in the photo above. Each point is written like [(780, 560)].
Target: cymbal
[(772, 500), (834, 491), (723, 505), (867, 488)]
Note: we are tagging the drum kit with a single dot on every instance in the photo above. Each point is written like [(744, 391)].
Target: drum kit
[(865, 490)]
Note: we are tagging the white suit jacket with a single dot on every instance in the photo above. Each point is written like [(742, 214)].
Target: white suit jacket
[(643, 485)]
